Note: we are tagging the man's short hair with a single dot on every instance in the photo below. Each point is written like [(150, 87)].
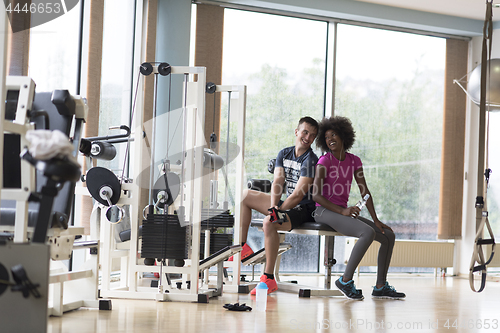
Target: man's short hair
[(310, 121)]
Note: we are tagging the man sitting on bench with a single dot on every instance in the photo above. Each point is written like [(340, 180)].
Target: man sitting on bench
[(294, 169)]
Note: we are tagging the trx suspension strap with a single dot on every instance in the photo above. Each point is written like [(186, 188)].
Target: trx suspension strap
[(482, 183)]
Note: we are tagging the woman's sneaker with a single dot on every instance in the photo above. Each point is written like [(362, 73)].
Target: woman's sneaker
[(387, 291), (349, 289)]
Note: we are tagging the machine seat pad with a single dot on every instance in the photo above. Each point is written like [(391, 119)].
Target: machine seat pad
[(312, 225)]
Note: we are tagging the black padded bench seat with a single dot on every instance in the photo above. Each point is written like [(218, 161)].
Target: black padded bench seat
[(219, 256), (313, 228)]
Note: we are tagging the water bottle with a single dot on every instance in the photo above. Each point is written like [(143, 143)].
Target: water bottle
[(361, 203), (261, 296)]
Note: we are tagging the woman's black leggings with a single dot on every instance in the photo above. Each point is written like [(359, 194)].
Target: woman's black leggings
[(366, 231)]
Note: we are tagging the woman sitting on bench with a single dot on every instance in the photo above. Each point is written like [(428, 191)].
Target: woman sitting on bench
[(332, 184)]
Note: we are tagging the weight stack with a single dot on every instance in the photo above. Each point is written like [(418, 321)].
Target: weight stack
[(216, 218), (217, 242), (163, 237)]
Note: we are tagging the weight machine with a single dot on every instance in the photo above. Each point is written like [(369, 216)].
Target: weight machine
[(36, 208), (46, 197), (172, 220), (12, 255)]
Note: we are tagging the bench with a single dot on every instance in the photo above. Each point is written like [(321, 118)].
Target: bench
[(315, 229), (259, 257)]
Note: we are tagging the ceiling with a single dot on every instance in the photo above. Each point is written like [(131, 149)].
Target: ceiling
[(472, 9)]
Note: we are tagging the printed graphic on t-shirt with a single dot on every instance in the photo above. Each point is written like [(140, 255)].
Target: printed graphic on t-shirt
[(296, 167), (292, 174)]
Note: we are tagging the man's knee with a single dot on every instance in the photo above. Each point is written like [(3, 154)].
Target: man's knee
[(255, 200), (246, 196), (267, 225), (271, 228)]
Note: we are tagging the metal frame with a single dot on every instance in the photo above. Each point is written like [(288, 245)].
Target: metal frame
[(20, 125), (238, 108), (133, 268), (307, 291), (3, 72), (79, 288)]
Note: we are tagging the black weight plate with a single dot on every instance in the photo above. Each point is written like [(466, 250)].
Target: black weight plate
[(173, 186), (96, 178)]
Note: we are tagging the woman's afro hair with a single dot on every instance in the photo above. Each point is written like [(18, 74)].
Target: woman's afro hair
[(340, 125)]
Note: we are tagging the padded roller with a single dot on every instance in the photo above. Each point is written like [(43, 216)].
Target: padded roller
[(271, 165), (85, 147), (64, 103), (212, 161), (103, 150), (262, 185)]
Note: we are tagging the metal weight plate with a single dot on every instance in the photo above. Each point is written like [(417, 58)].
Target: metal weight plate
[(174, 186), (98, 177)]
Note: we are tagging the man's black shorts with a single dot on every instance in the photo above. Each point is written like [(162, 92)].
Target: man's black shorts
[(300, 214)]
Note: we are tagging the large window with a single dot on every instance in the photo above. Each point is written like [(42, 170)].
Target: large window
[(116, 74), (282, 62), (390, 84), (54, 53)]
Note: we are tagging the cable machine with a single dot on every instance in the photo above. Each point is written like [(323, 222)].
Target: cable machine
[(170, 225), (483, 91)]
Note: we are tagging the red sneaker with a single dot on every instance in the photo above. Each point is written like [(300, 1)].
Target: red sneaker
[(272, 286), (245, 252)]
